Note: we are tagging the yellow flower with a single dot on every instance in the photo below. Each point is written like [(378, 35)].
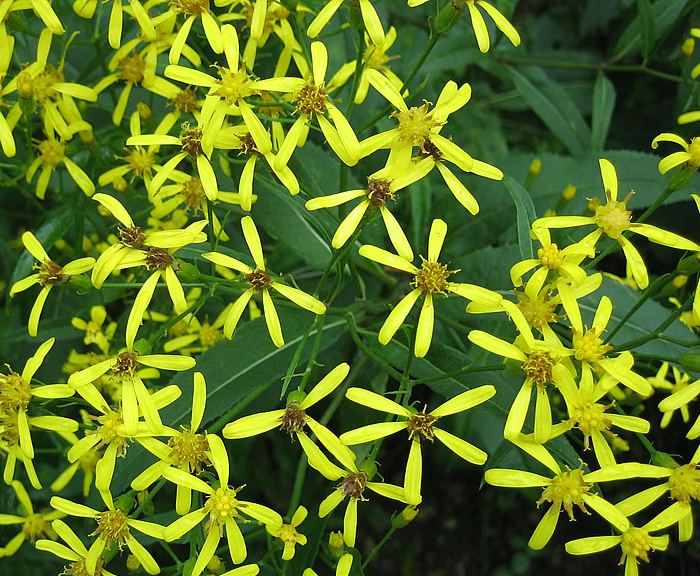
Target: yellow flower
[(538, 361), (260, 281), (681, 381), (369, 16), (135, 397), (635, 543), (222, 508), (93, 328), (111, 433), (430, 280), (87, 463), (683, 486), (193, 9), (421, 426), (113, 527), (590, 416), (42, 8), (478, 24), (566, 489), (311, 100), (689, 156), (48, 275), (52, 152), (293, 419), (76, 552), (613, 219), (186, 449), (342, 569), (683, 393), (382, 187), (197, 336), (34, 524), (16, 394), (288, 534)]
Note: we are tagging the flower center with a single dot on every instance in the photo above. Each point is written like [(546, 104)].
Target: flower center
[(538, 311), (288, 534), (51, 273), (379, 191), (550, 256), (191, 140), (538, 367), (9, 428), (112, 527), (193, 193), (233, 85), (258, 279), (52, 152), (589, 347), (420, 425), (132, 68), (684, 483), (159, 259), (293, 419), (311, 99), (432, 277), (354, 484), (429, 149), (132, 236), (15, 392), (189, 448), (415, 124), (567, 488), (208, 335), (39, 88), (78, 568), (694, 151), (613, 218), (375, 57), (190, 6), (108, 430), (140, 161), (247, 145), (591, 416), (35, 527), (222, 504), (185, 101), (636, 542), (126, 363)]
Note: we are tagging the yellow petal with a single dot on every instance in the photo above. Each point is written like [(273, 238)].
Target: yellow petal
[(300, 298), (376, 402), (462, 448), (272, 320), (424, 329), (465, 401), (414, 474), (545, 528)]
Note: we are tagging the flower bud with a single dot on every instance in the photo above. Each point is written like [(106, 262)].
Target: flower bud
[(120, 184), (81, 283), (132, 563), (407, 515), (142, 346), (144, 111), (336, 544), (688, 47)]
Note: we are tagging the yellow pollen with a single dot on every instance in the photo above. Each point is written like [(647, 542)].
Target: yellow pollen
[(140, 161), (538, 367), (78, 568), (636, 543), (132, 68), (684, 483), (185, 101), (189, 448), (538, 311), (112, 527), (550, 256), (208, 335), (613, 218), (15, 392), (375, 57), (40, 87), (416, 123), (420, 425), (222, 505), (35, 526), (432, 278), (193, 193), (589, 347), (311, 99), (194, 7), (591, 416), (52, 152), (233, 84), (567, 488)]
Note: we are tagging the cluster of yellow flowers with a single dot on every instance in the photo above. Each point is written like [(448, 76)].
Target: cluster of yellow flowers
[(264, 100)]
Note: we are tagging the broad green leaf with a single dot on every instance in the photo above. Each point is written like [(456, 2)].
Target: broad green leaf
[(235, 370), (283, 216), (526, 215), (664, 14), (554, 107), (603, 105), (646, 22)]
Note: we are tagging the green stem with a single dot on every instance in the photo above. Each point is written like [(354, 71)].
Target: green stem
[(379, 546), (659, 330)]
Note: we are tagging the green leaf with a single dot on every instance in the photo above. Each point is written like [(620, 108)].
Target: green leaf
[(283, 216), (664, 14), (554, 106), (236, 370), (604, 97), (57, 224), (420, 211), (645, 320), (526, 214), (646, 21)]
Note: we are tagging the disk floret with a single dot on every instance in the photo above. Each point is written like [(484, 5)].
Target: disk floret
[(311, 99), (567, 489), (159, 259), (112, 527), (233, 84), (416, 123), (635, 543), (222, 505), (613, 218), (15, 392), (293, 419), (191, 140), (190, 7), (258, 279), (132, 236), (589, 347), (432, 277), (353, 485), (189, 449), (379, 191), (550, 256), (126, 363), (538, 367), (684, 483), (420, 425), (132, 68)]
